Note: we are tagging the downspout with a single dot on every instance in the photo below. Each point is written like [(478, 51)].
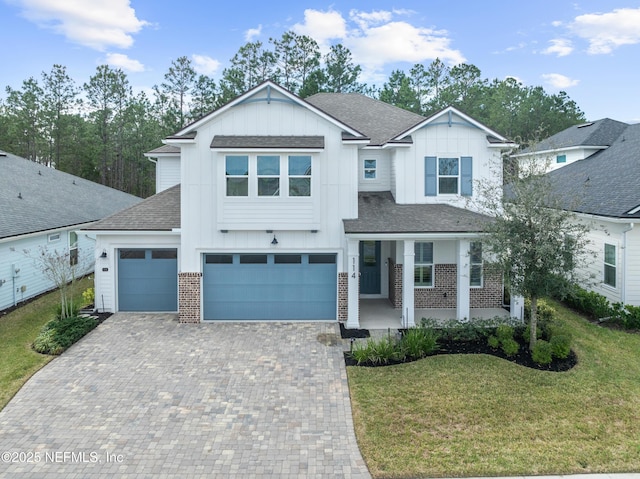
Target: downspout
[(624, 263)]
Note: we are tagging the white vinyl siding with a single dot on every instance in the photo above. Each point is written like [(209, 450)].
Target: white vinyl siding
[(610, 262)]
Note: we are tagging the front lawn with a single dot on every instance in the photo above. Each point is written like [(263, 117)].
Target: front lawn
[(18, 329), (478, 415)]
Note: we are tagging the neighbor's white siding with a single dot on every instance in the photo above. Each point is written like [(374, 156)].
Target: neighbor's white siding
[(167, 172), (633, 266), (30, 280), (549, 159)]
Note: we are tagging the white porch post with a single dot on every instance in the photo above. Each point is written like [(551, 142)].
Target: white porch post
[(408, 285), (463, 306), (517, 307), (353, 268)]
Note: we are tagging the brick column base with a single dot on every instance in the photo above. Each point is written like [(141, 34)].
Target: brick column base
[(343, 296), (189, 297)]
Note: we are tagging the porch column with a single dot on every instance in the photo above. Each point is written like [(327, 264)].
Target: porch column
[(517, 307), (463, 305), (353, 269), (408, 285)]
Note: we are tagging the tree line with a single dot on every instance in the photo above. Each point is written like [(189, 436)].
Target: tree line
[(100, 129)]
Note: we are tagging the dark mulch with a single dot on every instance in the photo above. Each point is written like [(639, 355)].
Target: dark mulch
[(523, 358), (100, 316), (353, 333)]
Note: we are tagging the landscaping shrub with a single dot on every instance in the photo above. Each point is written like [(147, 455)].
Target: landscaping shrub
[(504, 332), (89, 296), (58, 334), (510, 347), (632, 317), (419, 342), (542, 352), (493, 342), (560, 346)]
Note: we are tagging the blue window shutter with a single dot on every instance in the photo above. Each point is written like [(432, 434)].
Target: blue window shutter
[(466, 178), (430, 176)]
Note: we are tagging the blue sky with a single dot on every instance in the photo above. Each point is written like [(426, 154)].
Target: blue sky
[(590, 49)]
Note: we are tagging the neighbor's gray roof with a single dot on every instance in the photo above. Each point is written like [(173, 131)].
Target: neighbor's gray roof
[(160, 212), (378, 120), (50, 198), (597, 133), (606, 183), (379, 213), (254, 141), (164, 149)]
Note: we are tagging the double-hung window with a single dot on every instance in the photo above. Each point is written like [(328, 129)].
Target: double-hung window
[(300, 175), (423, 264), (610, 265), (73, 248), (237, 174), (268, 175), (475, 272), (370, 167), (448, 174)]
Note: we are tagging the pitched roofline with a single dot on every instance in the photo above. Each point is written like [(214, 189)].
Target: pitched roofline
[(570, 148), (268, 84), (451, 110), (46, 231)]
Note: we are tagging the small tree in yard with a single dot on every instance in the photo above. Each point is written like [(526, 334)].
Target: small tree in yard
[(538, 245), (61, 271)]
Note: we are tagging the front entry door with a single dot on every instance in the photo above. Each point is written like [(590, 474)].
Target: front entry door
[(369, 267)]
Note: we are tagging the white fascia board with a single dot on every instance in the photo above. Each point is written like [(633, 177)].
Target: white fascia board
[(262, 150), (502, 146), (397, 145), (611, 219), (179, 141), (162, 155), (130, 233), (356, 142), (557, 150), (413, 236), (9, 239)]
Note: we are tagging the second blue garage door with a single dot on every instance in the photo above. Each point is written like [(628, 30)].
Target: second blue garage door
[(269, 287)]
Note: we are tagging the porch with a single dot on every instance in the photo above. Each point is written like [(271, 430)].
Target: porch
[(380, 314)]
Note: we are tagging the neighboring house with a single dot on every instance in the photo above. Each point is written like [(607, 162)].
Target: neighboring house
[(604, 191), (289, 209), (575, 143), (41, 207)]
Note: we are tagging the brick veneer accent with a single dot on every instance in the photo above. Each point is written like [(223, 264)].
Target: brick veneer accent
[(490, 295), (395, 284), (444, 281), (189, 297), (343, 296)]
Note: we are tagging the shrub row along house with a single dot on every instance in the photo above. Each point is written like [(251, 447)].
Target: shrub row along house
[(278, 208), (42, 209), (596, 173)]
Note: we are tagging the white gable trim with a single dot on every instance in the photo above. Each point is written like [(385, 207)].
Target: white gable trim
[(245, 98), (449, 112)]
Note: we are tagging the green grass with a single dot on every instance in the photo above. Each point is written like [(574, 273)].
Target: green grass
[(18, 329), (477, 415)]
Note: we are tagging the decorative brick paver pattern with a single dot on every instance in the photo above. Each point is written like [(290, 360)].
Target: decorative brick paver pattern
[(143, 396)]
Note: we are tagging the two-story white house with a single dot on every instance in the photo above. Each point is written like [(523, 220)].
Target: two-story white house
[(277, 208)]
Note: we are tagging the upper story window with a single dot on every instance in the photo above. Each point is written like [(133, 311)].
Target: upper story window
[(370, 169), (475, 273), (300, 175), (423, 264), (610, 265), (561, 159), (448, 176), (268, 175), (237, 174)]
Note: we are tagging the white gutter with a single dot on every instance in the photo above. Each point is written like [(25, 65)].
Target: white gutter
[(413, 236), (625, 283), (43, 232)]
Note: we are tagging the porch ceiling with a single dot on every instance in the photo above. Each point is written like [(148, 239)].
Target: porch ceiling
[(379, 213)]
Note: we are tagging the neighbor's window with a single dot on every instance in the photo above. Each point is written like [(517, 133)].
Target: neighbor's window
[(237, 173), (610, 265), (423, 266), (300, 175), (53, 237), (448, 173), (561, 159), (370, 167), (268, 176), (475, 254), (73, 248)]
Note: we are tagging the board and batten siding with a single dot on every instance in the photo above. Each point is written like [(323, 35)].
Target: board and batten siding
[(167, 173), (211, 221), (382, 181), (30, 280)]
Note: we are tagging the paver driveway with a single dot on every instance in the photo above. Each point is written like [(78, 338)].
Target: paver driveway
[(144, 396)]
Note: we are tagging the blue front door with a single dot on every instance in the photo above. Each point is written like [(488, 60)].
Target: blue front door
[(369, 267)]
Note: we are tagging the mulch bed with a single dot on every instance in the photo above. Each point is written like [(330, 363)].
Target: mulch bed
[(523, 357)]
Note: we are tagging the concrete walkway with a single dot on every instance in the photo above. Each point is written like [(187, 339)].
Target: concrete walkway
[(145, 397)]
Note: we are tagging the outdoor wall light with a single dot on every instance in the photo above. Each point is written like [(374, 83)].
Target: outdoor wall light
[(274, 241), (104, 253)]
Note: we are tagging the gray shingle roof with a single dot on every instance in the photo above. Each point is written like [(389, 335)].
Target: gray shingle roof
[(379, 213), (164, 149), (606, 183), (597, 133), (238, 141), (375, 119), (160, 212), (50, 198)]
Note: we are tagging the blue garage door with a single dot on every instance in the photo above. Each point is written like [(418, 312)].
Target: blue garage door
[(269, 286), (147, 280)]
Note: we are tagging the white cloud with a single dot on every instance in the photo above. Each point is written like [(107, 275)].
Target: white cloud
[(375, 39), (123, 62), (556, 80), (608, 31), (252, 33), (559, 46), (205, 65), (103, 24)]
